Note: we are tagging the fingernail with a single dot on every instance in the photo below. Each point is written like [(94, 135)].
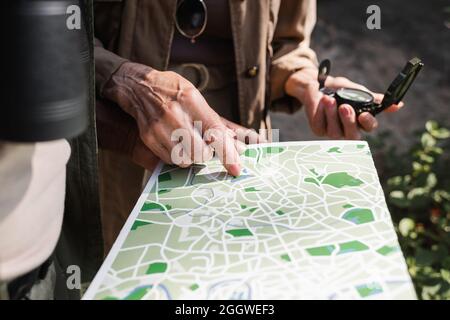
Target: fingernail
[(235, 170), (330, 101), (344, 111), (329, 104)]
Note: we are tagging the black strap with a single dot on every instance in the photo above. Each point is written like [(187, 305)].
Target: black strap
[(324, 71)]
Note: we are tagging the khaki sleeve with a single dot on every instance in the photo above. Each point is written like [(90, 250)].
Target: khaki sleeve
[(106, 63), (291, 51)]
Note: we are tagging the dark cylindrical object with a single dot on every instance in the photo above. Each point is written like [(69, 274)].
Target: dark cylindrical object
[(45, 89)]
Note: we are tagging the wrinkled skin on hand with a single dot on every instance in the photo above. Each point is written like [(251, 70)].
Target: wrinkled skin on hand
[(163, 103)]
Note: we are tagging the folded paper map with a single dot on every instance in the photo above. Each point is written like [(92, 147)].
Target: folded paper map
[(304, 220)]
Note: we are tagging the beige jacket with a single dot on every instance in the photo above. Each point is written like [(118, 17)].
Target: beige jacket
[(270, 37)]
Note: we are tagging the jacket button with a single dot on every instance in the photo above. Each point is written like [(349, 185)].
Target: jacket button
[(252, 71)]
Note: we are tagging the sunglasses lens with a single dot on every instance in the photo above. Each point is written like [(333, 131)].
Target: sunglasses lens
[(191, 17)]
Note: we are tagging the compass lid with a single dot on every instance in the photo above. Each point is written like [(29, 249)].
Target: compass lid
[(401, 84)]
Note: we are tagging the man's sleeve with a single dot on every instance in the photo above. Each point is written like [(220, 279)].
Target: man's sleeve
[(296, 20), (106, 63)]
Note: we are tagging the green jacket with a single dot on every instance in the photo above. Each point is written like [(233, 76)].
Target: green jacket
[(81, 242)]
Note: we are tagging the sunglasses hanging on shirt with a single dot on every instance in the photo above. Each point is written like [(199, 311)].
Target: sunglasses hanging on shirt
[(191, 17)]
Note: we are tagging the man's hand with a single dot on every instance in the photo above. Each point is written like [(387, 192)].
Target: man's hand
[(163, 103), (324, 116)]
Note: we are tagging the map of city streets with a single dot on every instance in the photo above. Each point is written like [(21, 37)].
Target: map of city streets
[(304, 220)]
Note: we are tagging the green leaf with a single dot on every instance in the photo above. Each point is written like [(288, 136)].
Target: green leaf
[(442, 133), (427, 140), (407, 179), (397, 198), (417, 167), (395, 181), (405, 226), (431, 125), (431, 180), (429, 292), (426, 158), (436, 150), (436, 131), (416, 192), (441, 195)]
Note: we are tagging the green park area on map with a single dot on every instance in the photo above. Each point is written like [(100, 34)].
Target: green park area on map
[(304, 220)]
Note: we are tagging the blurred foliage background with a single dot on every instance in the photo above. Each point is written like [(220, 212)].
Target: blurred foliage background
[(411, 152), (416, 183)]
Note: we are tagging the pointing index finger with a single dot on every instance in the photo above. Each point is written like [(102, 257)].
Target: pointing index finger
[(224, 145)]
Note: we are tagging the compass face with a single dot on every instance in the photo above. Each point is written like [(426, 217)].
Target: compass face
[(355, 95), (360, 100)]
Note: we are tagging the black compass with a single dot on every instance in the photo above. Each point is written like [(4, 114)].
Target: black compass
[(363, 101)]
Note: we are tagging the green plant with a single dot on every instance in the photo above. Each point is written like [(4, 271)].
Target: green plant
[(417, 187)]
